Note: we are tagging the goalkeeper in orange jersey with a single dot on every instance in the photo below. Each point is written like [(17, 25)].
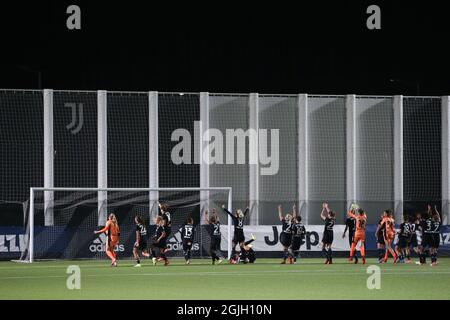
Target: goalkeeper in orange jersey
[(360, 233), (112, 232)]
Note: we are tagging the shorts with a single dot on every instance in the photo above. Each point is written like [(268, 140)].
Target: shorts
[(238, 236), (215, 243), (380, 238), (285, 239), (142, 245), (402, 242), (431, 240), (161, 244), (327, 237), (389, 237), (414, 241), (113, 242), (296, 243), (359, 237), (187, 244)]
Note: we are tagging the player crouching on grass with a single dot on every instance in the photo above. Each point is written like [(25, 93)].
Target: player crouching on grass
[(159, 242), (360, 234), (286, 234), (247, 254), (141, 240), (329, 217), (112, 232)]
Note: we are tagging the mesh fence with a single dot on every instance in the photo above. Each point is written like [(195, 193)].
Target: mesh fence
[(75, 138), (374, 148), (279, 113), (128, 140), (21, 146), (230, 112), (326, 156), (422, 152)]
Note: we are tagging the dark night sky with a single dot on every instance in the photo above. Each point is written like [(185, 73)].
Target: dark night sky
[(226, 47)]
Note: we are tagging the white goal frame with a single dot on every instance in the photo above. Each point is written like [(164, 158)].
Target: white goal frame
[(229, 190)]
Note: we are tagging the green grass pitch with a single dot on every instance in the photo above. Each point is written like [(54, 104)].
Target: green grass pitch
[(266, 279)]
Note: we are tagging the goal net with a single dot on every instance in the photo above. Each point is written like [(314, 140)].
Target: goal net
[(60, 222)]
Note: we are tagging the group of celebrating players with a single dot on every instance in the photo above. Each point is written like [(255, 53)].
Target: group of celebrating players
[(421, 232)]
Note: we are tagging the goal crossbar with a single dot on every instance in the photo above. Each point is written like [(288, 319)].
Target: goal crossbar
[(46, 189)]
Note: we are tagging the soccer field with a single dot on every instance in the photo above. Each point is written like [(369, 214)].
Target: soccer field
[(266, 279)]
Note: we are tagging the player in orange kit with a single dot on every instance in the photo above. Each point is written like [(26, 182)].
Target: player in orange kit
[(112, 232), (360, 233), (388, 225)]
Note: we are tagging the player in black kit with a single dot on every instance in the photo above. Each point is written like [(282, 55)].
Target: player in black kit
[(141, 240), (216, 236), (298, 235), (286, 234), (165, 214), (350, 225), (159, 241), (238, 237), (328, 216), (430, 235), (404, 237), (187, 234)]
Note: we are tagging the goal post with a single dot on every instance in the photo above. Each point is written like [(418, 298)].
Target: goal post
[(76, 211)]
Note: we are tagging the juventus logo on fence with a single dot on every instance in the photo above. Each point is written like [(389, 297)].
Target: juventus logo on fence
[(77, 117)]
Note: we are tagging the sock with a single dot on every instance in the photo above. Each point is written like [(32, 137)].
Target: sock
[(325, 253), (153, 253), (380, 254), (138, 260), (286, 254), (296, 255), (186, 255), (362, 250), (330, 254), (352, 249), (189, 254)]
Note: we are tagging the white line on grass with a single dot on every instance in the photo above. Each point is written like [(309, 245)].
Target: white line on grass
[(286, 272)]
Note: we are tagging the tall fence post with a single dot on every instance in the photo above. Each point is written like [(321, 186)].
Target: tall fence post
[(48, 157), (302, 105), (153, 153), (102, 156), (254, 152), (398, 157), (445, 112), (351, 190)]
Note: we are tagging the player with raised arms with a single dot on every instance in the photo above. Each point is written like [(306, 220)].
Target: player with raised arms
[(329, 217), (379, 235), (360, 233), (238, 237), (350, 225), (286, 234), (298, 234), (216, 236), (112, 232)]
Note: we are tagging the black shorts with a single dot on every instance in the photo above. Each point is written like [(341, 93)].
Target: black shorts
[(327, 237), (187, 244), (285, 239), (238, 236), (215, 243), (162, 244), (414, 241), (142, 245), (427, 240), (296, 243), (402, 242), (436, 240), (380, 238)]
